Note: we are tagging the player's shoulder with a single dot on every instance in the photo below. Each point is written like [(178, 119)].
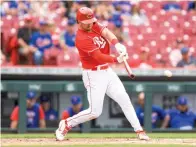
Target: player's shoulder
[(81, 35), (69, 109), (139, 109), (16, 108), (82, 38), (173, 111), (37, 105), (190, 112), (156, 107)]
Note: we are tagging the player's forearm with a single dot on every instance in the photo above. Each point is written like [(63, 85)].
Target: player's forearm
[(165, 122), (14, 124), (103, 58), (106, 33), (42, 124), (22, 43)]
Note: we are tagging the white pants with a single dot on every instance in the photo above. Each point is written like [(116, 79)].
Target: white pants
[(99, 83)]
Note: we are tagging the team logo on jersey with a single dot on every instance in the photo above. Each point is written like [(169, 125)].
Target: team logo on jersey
[(99, 41)]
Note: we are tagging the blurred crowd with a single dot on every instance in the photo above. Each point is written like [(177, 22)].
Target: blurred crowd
[(156, 34)]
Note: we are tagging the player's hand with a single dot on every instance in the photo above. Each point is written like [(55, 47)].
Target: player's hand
[(121, 57), (120, 48)]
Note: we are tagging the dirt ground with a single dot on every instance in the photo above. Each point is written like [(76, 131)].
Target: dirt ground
[(47, 141)]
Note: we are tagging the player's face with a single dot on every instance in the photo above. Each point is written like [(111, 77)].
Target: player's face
[(86, 27), (30, 103), (46, 106), (141, 101), (182, 108), (77, 108)]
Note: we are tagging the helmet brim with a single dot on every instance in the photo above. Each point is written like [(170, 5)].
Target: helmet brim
[(89, 21)]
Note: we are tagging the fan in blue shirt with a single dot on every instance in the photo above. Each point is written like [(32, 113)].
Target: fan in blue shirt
[(68, 37), (41, 41)]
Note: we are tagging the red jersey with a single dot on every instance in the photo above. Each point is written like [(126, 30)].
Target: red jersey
[(87, 42)]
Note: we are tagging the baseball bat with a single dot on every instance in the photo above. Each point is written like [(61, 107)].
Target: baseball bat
[(128, 68)]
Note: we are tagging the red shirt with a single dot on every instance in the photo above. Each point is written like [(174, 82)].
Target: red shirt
[(88, 42), (15, 113)]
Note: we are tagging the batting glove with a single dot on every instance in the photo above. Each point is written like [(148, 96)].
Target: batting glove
[(121, 57), (120, 48)]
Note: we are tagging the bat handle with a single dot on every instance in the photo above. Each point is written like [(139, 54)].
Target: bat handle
[(131, 75)]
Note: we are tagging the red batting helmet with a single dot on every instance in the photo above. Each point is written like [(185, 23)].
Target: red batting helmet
[(85, 15)]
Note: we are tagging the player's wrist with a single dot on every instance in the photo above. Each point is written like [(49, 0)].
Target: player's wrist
[(115, 59), (114, 41)]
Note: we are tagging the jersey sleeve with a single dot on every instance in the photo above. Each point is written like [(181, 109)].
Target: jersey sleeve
[(14, 115), (41, 113), (161, 112), (98, 28), (65, 115)]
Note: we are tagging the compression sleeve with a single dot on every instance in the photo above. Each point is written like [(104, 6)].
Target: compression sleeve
[(103, 58)]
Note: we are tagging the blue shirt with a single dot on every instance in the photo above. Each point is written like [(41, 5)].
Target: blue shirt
[(182, 63), (70, 39), (71, 112), (171, 6), (157, 114), (41, 41), (13, 4), (33, 116), (51, 114), (181, 120), (191, 6)]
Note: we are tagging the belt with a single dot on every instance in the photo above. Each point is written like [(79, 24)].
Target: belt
[(100, 67)]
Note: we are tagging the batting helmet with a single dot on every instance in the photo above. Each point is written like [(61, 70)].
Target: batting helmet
[(85, 15)]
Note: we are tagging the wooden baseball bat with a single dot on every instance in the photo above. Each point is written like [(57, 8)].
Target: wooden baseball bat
[(128, 68)]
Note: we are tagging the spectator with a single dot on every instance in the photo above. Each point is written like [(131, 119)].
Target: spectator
[(118, 30), (40, 9), (24, 35), (143, 61), (24, 7), (180, 118), (175, 55), (157, 112), (136, 17), (192, 6), (55, 33), (50, 113), (104, 10), (2, 58), (74, 109), (4, 9), (13, 8), (35, 113), (41, 41), (187, 60), (67, 39), (172, 6)]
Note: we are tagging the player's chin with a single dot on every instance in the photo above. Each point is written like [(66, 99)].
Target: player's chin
[(88, 29)]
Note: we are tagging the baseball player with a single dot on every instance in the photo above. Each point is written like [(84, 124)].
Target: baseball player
[(182, 117), (34, 113), (92, 42)]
